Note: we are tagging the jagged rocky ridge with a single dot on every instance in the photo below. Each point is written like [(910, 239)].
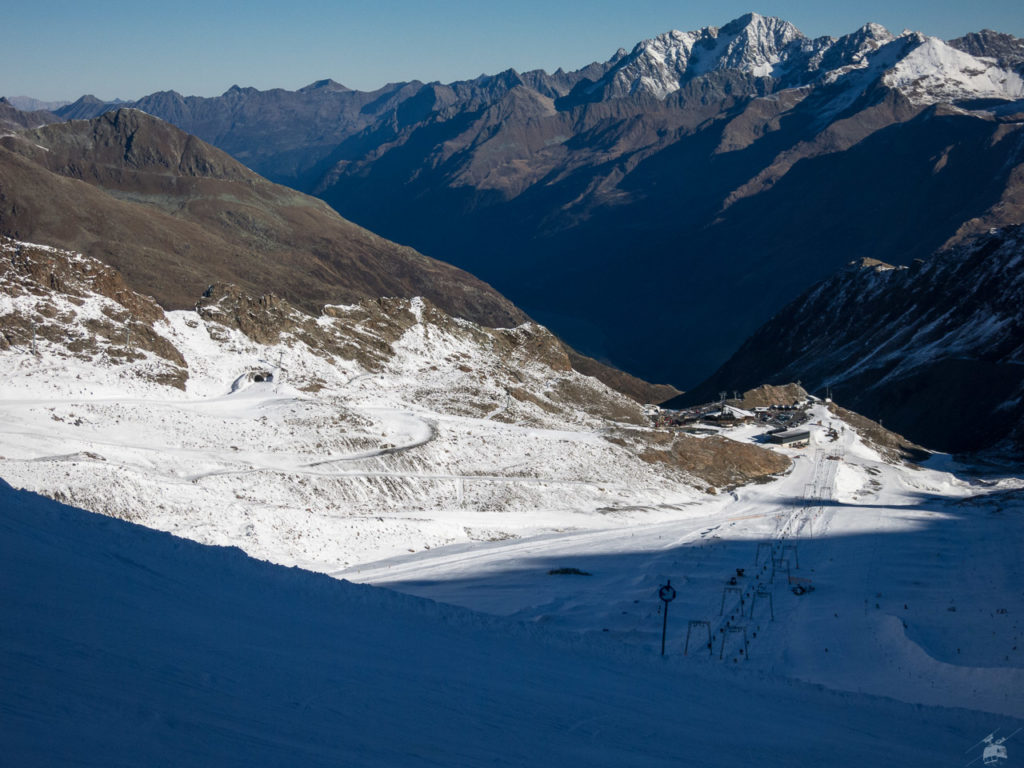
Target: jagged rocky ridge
[(1006, 50), (735, 166), (934, 349)]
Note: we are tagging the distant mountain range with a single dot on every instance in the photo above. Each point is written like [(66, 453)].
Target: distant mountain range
[(28, 104), (13, 118), (656, 208)]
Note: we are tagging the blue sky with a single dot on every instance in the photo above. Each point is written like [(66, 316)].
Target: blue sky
[(112, 48)]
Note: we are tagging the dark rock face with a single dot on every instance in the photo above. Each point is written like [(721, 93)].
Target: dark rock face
[(84, 108), (934, 350), (1007, 50)]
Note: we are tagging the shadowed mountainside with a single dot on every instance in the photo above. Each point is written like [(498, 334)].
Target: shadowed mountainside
[(934, 349)]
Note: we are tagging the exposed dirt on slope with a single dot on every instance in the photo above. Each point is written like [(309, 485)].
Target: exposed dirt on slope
[(638, 389), (719, 462), (768, 395), (894, 447)]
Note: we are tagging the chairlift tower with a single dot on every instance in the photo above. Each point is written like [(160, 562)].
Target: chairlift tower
[(735, 630), (727, 590), (778, 563), (791, 548), (697, 624), (762, 593)]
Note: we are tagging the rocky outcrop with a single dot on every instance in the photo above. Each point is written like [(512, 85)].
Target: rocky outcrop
[(81, 307), (768, 395), (1006, 50)]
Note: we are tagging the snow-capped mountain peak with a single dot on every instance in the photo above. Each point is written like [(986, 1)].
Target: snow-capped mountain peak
[(837, 56), (934, 71), (751, 43), (924, 69)]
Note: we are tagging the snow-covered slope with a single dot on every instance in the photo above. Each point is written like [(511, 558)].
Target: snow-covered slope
[(375, 429), (914, 574), (935, 72), (128, 647), (391, 444)]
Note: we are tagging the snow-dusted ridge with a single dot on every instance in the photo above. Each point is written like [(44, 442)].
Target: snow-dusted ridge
[(373, 430), (936, 72), (924, 69)]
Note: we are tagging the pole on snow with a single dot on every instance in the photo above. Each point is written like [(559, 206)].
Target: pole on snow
[(666, 594)]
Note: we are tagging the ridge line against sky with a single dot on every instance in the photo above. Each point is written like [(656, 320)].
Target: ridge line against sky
[(61, 50)]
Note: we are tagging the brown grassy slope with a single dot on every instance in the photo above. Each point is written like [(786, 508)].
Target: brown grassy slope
[(893, 446), (717, 461), (173, 215), (620, 381)]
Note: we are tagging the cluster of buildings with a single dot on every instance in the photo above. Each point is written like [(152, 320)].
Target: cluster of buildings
[(783, 421)]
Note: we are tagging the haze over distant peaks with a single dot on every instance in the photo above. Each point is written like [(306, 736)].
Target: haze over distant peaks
[(28, 104)]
